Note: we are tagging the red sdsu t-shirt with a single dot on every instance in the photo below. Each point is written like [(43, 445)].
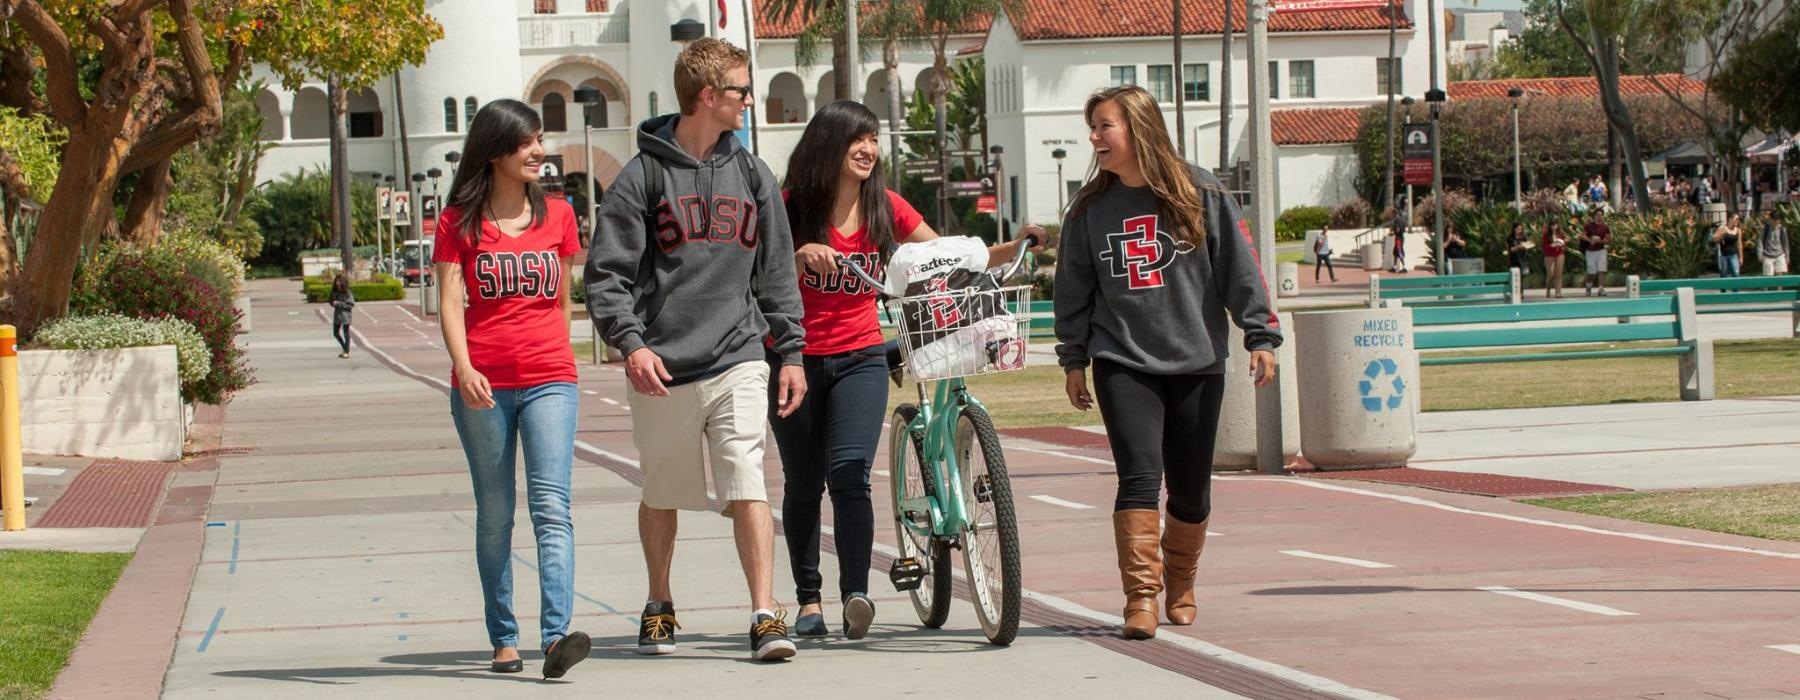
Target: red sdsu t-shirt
[(518, 335), (840, 308)]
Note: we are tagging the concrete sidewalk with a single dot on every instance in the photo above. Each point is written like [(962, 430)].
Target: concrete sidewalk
[(346, 565)]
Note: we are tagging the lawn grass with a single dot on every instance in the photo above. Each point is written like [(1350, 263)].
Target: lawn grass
[(50, 597), (1742, 368), (1757, 511), (1290, 256), (1025, 398)]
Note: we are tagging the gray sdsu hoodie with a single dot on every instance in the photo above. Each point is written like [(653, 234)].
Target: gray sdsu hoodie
[(713, 274), (1128, 291)]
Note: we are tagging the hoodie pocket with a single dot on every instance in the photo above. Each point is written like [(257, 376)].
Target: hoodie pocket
[(691, 331)]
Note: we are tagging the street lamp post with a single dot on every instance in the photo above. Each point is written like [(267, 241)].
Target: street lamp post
[(1407, 103), (428, 280), (385, 238), (1062, 188), (1436, 98), (1514, 93)]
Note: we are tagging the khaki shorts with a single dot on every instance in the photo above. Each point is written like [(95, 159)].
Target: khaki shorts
[(728, 413), (1596, 261), (1777, 265)]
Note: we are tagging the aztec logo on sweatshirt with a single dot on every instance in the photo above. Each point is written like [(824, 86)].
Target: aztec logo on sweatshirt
[(1140, 252)]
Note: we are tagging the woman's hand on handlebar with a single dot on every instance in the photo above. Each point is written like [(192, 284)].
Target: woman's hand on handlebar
[(1035, 235), (817, 257)]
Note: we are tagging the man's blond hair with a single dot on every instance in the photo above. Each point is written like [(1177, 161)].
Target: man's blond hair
[(704, 64)]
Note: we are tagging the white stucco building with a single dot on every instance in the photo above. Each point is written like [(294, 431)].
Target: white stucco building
[(1041, 67)]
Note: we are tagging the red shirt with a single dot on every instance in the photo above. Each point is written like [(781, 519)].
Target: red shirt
[(518, 335), (841, 313), (1552, 249)]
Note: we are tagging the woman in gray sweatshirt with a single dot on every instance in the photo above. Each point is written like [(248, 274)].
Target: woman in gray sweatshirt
[(1153, 257)]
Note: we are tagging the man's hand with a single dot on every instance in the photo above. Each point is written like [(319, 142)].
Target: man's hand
[(817, 257), (792, 389), (1075, 385), (1262, 367), (646, 372)]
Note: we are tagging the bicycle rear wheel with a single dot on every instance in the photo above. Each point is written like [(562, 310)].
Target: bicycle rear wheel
[(991, 544), (912, 479)]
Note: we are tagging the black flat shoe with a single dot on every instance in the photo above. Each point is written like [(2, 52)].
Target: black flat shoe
[(566, 652), (513, 666)]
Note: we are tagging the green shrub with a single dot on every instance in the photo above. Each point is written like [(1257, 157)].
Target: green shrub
[(1667, 244), (382, 287), (154, 284), (1454, 201), (110, 331), (207, 259), (1293, 224)]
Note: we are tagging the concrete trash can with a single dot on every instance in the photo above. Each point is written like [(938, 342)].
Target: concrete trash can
[(1359, 375), (1467, 266), (428, 299), (1287, 280), (1235, 446), (1373, 256)]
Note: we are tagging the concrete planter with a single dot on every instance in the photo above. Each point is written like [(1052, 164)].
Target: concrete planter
[(1287, 280), (1359, 377), (1235, 447), (122, 403), (242, 304)]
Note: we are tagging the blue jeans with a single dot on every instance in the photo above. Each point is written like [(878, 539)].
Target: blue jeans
[(1728, 265), (542, 418), (829, 443)]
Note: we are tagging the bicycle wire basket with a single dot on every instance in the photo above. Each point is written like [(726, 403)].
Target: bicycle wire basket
[(963, 332)]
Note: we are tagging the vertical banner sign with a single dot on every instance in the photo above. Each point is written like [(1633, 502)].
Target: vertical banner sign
[(1415, 142), (402, 208), (384, 202), (550, 174)]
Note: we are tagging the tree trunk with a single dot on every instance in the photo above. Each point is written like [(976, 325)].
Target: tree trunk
[(149, 203), (840, 67), (1606, 63), (890, 60), (80, 204), (340, 176)]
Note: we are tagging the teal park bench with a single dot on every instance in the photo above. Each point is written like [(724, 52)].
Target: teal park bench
[(1446, 290), (1724, 295), (1662, 317)]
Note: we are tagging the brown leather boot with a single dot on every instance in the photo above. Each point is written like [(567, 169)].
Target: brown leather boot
[(1181, 547), (1140, 568)]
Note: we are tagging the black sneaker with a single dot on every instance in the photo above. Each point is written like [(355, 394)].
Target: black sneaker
[(656, 635), (769, 639)]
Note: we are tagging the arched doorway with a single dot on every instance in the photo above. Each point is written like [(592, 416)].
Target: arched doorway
[(363, 111), (312, 114), (274, 126), (786, 101), (875, 94), (556, 113), (827, 91)]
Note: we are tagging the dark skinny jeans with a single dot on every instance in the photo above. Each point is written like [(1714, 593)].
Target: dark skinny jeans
[(829, 444), (341, 332), (1162, 428)]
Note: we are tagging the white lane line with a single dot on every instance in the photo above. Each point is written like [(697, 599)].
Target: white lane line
[(409, 314), (881, 472), (583, 445), (1414, 500), (1553, 600), (1064, 455), (44, 471), (1052, 500), (608, 401), (591, 392), (1789, 648), (1364, 563)]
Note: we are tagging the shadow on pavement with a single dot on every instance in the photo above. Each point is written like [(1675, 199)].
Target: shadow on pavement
[(1367, 590)]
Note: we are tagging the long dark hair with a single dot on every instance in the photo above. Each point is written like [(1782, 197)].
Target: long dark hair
[(499, 129), (814, 169), (340, 285)]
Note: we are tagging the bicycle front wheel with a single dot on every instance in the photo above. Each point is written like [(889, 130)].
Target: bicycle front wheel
[(991, 544), (912, 525)]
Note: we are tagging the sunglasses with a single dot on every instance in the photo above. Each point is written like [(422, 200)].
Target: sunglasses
[(743, 91)]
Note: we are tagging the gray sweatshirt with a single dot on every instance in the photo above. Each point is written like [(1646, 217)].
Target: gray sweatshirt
[(1773, 243), (713, 280), (1128, 293)]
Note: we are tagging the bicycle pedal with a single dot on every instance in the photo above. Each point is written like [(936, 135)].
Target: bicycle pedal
[(907, 574)]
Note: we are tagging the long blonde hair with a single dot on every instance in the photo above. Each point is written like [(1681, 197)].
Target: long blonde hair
[(1178, 197)]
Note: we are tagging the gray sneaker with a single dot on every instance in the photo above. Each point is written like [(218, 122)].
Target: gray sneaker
[(769, 639)]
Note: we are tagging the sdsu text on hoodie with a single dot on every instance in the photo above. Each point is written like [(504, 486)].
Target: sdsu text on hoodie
[(715, 275), (1128, 291)]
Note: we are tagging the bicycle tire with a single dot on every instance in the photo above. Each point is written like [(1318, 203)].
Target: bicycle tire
[(931, 600), (991, 543)]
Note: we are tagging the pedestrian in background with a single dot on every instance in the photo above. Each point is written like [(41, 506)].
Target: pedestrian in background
[(1594, 238), (1729, 237), (1554, 244), (343, 304), (1322, 256), (1772, 248)]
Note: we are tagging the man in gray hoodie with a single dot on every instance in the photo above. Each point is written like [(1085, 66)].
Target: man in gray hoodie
[(690, 273)]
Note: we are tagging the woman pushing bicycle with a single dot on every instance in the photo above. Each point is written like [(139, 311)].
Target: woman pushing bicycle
[(840, 208), (1153, 257)]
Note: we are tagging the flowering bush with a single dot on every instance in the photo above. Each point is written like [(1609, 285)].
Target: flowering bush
[(1454, 201), (207, 259), (109, 331), (1351, 213), (1667, 244), (153, 284)]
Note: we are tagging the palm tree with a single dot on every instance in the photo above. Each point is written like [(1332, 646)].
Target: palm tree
[(941, 19), (824, 22), (896, 23)]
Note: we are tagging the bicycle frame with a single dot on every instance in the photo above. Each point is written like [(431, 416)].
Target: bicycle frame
[(937, 420)]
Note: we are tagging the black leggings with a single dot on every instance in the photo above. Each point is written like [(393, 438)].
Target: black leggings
[(1161, 427), (341, 332), (1325, 262)]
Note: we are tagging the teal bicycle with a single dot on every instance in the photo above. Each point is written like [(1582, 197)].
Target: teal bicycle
[(950, 486)]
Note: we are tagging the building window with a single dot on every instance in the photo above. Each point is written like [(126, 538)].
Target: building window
[(653, 110), (1300, 79), (596, 6), (1124, 75), (470, 106), (556, 113), (449, 115), (1382, 66), (1198, 82), (543, 7), (1274, 80), (1162, 83)]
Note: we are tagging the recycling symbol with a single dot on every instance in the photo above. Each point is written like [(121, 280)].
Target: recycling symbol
[(1287, 284), (1377, 391)]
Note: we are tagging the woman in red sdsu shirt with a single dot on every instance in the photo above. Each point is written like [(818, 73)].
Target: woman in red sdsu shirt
[(839, 207), (508, 250)]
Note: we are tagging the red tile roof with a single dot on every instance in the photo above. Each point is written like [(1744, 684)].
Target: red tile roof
[(1573, 87), (1085, 19), (1310, 127), (1092, 19), (769, 27), (973, 49)]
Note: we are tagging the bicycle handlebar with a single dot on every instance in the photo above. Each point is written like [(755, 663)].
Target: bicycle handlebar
[(1012, 268)]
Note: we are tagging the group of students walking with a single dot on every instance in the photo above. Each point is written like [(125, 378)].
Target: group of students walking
[(722, 287)]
